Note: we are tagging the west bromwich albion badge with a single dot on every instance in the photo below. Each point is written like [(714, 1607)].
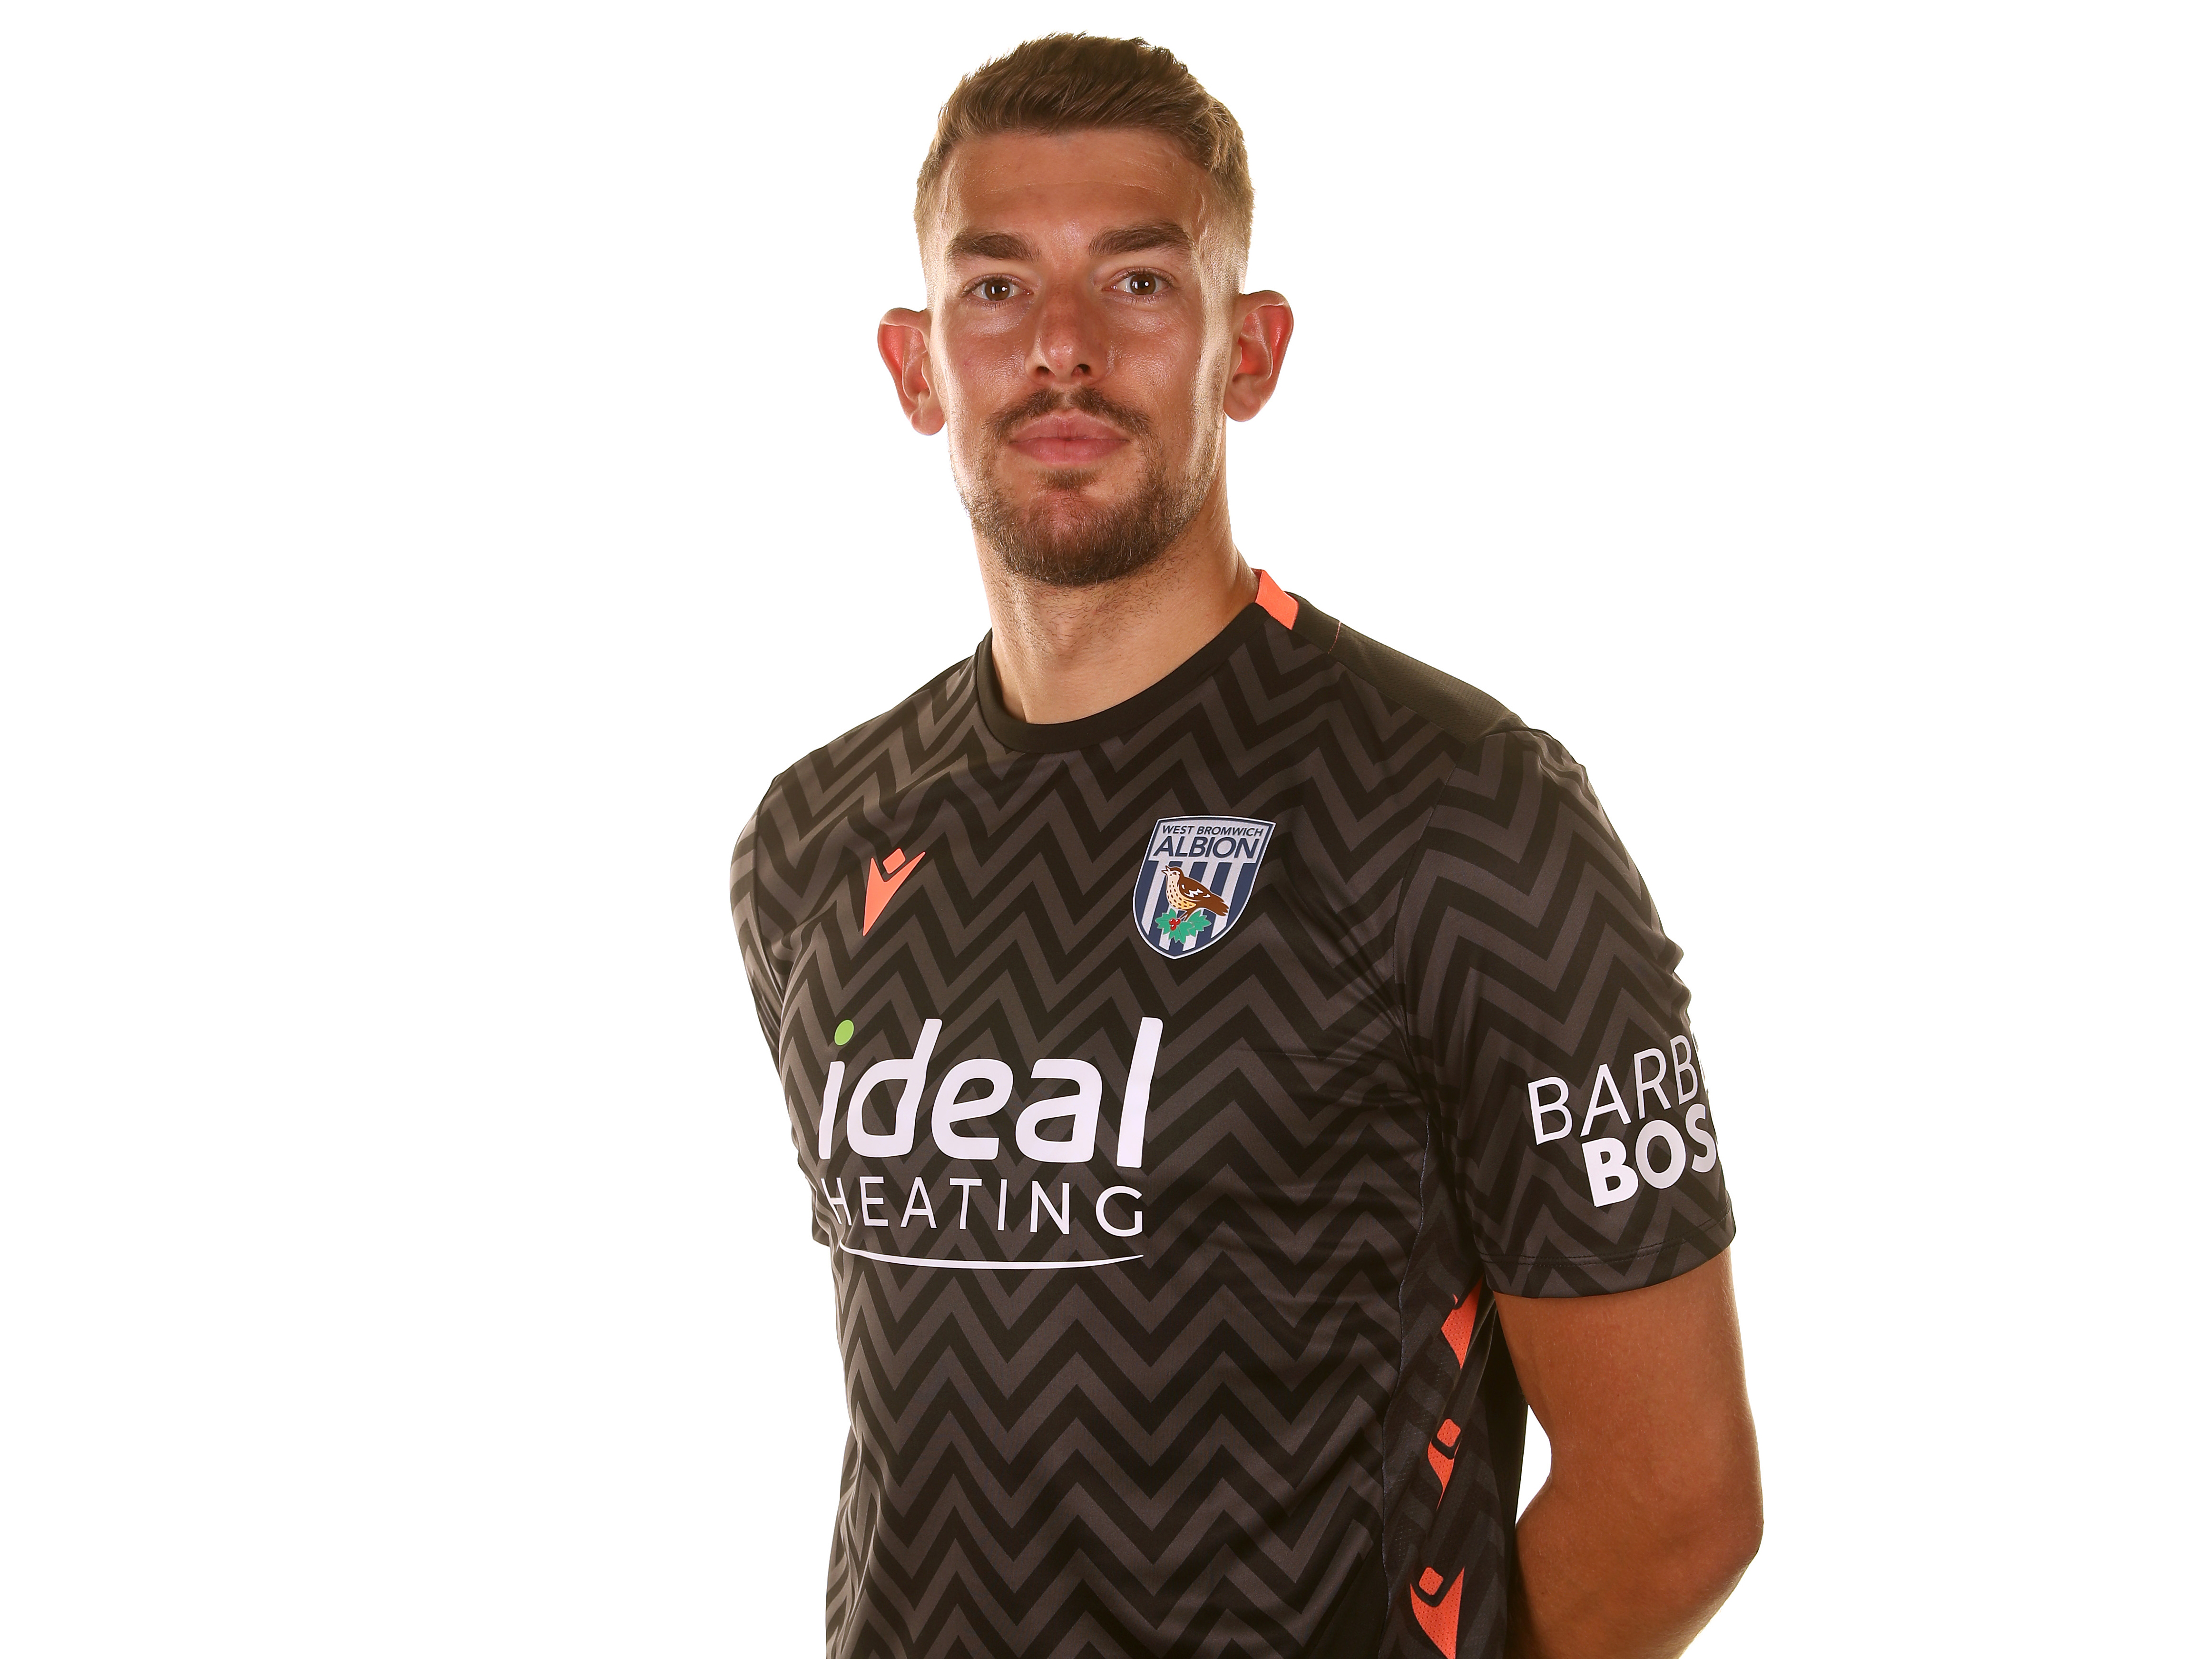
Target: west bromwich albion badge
[(1197, 877)]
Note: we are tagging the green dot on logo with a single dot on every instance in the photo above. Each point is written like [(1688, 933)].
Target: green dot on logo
[(844, 1034)]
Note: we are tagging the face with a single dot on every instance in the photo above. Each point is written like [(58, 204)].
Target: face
[(1081, 347)]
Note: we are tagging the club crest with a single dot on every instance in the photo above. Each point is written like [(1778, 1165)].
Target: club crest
[(1196, 879)]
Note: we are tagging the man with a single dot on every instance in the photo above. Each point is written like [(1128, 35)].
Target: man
[(1236, 1066)]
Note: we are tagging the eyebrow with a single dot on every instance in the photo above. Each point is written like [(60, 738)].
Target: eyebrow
[(1139, 238), (988, 245), (1127, 238)]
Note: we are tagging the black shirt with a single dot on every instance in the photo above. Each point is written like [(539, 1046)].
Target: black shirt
[(1174, 1086)]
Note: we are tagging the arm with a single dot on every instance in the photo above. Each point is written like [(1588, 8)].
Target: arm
[(1652, 1512)]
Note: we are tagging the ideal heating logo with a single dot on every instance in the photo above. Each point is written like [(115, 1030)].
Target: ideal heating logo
[(971, 1126)]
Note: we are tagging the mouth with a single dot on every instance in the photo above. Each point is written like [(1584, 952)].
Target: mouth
[(1066, 440)]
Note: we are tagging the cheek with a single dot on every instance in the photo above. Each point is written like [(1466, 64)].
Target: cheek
[(1184, 369), (978, 362), (976, 378)]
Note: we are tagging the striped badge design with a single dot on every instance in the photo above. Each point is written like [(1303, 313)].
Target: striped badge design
[(1197, 877)]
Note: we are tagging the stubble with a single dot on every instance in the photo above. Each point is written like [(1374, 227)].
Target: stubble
[(1063, 541)]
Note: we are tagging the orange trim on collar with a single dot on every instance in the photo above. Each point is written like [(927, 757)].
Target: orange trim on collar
[(1276, 602)]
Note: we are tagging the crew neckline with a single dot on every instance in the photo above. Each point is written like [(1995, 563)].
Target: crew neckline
[(1060, 737)]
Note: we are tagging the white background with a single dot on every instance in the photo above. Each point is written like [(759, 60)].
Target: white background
[(446, 473)]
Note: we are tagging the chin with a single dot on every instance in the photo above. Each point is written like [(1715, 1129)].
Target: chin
[(1073, 529), (1080, 551)]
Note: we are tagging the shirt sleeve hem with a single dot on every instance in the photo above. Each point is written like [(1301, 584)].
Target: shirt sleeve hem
[(1563, 1274)]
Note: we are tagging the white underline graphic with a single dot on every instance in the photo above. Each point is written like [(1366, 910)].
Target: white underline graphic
[(981, 1267)]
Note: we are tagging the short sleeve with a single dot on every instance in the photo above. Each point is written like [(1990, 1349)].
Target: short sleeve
[(757, 936), (764, 940), (1546, 1017)]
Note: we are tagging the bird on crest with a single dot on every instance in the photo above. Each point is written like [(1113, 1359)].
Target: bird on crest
[(1185, 894)]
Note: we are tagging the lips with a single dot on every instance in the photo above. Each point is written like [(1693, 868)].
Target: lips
[(1066, 440)]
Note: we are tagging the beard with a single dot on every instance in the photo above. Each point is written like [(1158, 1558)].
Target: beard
[(1063, 541)]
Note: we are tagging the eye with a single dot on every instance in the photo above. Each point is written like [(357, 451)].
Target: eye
[(996, 289), (1144, 284)]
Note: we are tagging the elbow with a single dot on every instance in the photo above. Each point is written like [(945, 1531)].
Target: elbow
[(1716, 1529), (1734, 1535), (1699, 1519)]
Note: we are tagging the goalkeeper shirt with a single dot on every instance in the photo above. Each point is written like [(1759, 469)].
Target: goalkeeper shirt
[(1175, 1087)]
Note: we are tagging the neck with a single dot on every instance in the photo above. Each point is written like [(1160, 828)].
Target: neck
[(1065, 652)]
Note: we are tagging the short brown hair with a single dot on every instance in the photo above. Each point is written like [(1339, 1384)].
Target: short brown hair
[(1067, 83)]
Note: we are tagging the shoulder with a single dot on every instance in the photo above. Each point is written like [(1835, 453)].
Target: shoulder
[(885, 754), (1509, 798), (776, 865), (1459, 711)]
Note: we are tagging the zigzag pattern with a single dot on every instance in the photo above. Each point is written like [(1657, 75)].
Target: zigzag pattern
[(1236, 1440)]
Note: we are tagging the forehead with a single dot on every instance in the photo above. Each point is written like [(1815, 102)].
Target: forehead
[(1063, 187)]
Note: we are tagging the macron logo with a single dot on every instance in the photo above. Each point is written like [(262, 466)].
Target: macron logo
[(882, 882)]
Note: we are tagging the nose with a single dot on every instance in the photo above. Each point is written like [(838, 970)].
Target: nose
[(1070, 345)]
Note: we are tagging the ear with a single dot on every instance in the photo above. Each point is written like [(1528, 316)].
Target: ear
[(1263, 335), (903, 338)]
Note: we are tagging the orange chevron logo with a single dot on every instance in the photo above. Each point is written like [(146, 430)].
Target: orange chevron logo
[(1459, 1324), (882, 882), (1443, 1452), (1438, 1615)]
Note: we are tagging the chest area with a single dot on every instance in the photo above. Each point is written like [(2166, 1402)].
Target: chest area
[(1063, 1027)]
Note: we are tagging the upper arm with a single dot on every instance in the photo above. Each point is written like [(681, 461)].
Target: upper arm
[(1570, 1102), (1641, 1396), (1544, 1005)]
